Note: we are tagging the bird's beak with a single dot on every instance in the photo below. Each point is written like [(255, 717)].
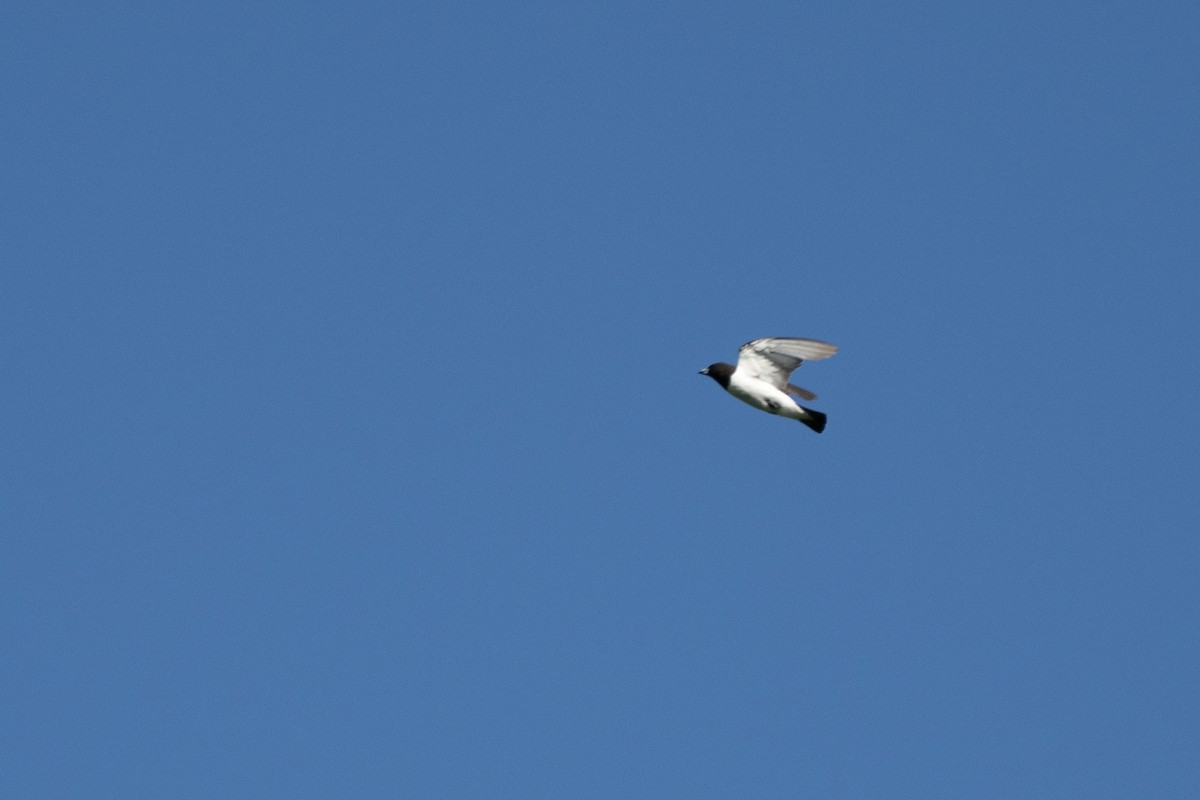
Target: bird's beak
[(703, 371)]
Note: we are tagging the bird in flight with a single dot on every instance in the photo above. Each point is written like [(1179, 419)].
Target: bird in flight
[(761, 376)]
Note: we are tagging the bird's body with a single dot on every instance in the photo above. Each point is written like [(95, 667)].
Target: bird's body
[(760, 378)]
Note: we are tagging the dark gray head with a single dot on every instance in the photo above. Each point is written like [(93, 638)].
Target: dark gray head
[(719, 372)]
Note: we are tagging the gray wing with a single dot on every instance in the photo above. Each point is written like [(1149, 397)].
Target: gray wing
[(803, 394), (774, 360)]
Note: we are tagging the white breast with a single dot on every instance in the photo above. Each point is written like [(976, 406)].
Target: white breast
[(761, 395)]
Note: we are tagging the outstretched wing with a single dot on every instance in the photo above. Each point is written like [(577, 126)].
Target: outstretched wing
[(803, 394), (773, 360)]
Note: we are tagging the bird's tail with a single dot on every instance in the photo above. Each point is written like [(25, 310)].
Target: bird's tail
[(813, 419)]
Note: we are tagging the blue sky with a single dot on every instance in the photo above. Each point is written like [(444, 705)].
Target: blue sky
[(354, 445)]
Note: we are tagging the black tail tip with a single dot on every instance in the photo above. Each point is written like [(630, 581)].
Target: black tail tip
[(814, 420)]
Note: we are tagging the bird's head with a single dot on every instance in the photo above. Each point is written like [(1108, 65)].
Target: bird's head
[(719, 372)]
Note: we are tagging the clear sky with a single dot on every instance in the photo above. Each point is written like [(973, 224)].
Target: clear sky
[(353, 444)]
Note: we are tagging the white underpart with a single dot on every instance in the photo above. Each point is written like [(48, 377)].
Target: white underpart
[(762, 395)]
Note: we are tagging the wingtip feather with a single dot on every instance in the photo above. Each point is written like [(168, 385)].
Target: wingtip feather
[(806, 349)]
